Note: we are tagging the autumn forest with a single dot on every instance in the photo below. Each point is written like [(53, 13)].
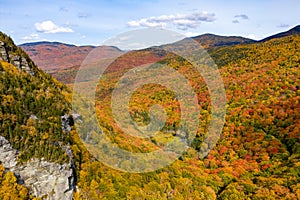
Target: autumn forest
[(256, 157)]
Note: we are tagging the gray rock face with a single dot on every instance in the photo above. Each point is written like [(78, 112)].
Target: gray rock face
[(3, 52), (44, 179), (18, 61), (8, 155), (68, 120)]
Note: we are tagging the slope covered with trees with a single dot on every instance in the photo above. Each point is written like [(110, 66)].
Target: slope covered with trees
[(31, 110), (258, 154), (32, 104), (211, 40), (30, 114)]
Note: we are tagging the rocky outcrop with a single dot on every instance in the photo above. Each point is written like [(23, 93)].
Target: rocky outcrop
[(46, 179), (8, 155), (21, 63), (3, 52), (51, 181), (68, 120), (8, 56)]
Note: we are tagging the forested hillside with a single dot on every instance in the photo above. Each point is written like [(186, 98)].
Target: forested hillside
[(257, 156), (31, 110)]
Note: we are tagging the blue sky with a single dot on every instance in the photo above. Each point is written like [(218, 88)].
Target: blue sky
[(92, 22)]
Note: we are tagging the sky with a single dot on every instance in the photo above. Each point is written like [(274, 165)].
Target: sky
[(92, 22)]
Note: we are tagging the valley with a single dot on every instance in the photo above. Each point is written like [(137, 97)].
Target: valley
[(256, 157)]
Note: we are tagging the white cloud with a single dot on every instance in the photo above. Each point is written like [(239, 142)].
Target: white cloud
[(191, 34), (143, 38), (180, 21), (251, 36), (50, 27), (33, 36)]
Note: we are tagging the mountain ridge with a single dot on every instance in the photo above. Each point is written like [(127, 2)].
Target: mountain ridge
[(236, 39), (293, 31), (62, 60), (209, 40), (52, 56), (47, 43)]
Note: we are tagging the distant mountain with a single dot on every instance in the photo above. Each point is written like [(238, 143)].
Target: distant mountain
[(61, 60), (52, 56), (46, 43), (211, 40), (293, 31)]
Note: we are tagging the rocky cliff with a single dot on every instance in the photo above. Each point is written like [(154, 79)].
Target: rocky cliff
[(44, 179), (7, 54)]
